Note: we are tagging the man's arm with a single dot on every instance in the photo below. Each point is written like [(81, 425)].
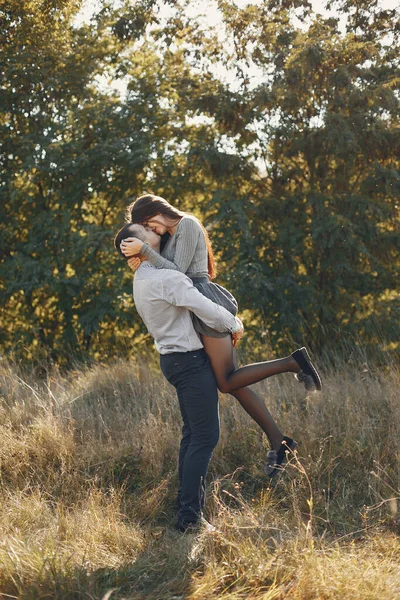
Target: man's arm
[(180, 291)]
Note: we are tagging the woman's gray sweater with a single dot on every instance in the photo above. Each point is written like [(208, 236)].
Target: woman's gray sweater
[(185, 250)]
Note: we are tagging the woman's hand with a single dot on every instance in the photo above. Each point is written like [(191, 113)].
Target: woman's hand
[(134, 263), (236, 337), (131, 246)]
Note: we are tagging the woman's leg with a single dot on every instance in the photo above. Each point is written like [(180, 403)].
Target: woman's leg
[(223, 361), (220, 352)]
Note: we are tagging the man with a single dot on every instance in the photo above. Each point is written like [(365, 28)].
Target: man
[(164, 299)]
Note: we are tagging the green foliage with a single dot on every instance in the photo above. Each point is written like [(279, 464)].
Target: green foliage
[(325, 216), (291, 161), (66, 152)]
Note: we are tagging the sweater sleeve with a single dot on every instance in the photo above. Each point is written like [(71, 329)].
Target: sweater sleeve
[(186, 241)]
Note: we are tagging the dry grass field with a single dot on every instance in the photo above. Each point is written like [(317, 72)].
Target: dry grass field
[(88, 483)]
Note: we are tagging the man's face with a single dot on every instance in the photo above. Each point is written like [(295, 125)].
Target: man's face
[(150, 237)]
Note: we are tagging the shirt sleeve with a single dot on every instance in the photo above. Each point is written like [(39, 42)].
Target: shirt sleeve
[(187, 237), (180, 291)]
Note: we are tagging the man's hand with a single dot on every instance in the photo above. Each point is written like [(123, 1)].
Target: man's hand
[(134, 263), (237, 336), (131, 246)]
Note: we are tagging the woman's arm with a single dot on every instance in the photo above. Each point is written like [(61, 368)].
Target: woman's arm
[(186, 242)]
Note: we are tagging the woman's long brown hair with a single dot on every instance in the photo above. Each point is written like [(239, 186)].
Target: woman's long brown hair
[(148, 206)]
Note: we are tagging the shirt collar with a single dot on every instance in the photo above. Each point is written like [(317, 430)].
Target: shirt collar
[(146, 265)]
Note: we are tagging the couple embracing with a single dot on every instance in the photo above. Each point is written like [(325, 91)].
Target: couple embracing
[(194, 324)]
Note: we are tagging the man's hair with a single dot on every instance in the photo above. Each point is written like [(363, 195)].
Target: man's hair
[(129, 230)]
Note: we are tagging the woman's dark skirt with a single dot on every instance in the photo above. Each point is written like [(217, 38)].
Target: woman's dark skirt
[(217, 294)]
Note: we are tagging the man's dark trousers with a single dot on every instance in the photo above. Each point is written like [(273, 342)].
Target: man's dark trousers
[(191, 374)]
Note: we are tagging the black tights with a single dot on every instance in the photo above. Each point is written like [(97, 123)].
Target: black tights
[(235, 380)]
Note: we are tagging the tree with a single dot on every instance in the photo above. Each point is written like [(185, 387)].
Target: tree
[(319, 232), (66, 150), (291, 162)]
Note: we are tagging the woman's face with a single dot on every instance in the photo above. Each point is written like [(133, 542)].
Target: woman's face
[(150, 236), (158, 224)]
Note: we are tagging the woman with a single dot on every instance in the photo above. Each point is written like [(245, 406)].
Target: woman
[(187, 248)]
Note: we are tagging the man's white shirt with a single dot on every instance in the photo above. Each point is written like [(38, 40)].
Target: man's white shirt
[(165, 299)]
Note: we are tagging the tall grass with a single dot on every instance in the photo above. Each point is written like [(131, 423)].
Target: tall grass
[(88, 484)]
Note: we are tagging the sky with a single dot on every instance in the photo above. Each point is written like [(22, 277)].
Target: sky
[(212, 17), (89, 7), (207, 8)]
